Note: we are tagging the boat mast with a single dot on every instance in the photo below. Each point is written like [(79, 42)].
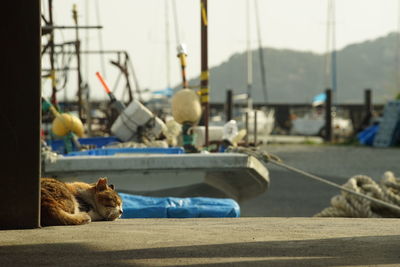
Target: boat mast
[(167, 45), (330, 58), (334, 67), (397, 47), (261, 52), (204, 76), (249, 59), (52, 67), (78, 59)]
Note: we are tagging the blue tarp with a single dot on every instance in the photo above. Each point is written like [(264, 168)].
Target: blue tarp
[(366, 137), (136, 206), (319, 99), (128, 150), (98, 142)]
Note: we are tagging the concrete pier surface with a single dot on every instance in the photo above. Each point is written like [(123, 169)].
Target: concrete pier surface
[(207, 242)]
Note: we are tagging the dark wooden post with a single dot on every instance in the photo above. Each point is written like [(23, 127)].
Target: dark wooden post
[(20, 115), (368, 102), (255, 127), (204, 76), (247, 129), (328, 116), (229, 104)]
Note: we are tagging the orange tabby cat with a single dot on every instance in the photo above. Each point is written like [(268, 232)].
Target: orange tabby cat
[(78, 202)]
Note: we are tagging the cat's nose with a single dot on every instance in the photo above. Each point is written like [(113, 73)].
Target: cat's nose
[(120, 211)]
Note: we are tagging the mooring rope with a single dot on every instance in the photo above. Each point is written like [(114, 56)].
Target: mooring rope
[(358, 193)]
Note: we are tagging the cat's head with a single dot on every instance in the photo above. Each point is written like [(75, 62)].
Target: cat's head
[(108, 202)]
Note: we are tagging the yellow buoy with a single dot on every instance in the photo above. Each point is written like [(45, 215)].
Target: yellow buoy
[(186, 107), (65, 123)]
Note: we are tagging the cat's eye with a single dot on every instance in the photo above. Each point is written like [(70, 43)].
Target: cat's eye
[(112, 186)]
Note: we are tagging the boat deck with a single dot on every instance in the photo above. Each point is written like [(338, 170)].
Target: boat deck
[(232, 175)]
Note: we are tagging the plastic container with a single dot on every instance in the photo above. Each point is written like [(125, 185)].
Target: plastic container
[(128, 150), (126, 126)]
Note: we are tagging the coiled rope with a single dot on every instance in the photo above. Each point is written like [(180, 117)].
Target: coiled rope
[(348, 205), (360, 197)]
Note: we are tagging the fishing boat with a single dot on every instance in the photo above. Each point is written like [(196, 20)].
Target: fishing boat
[(152, 171)]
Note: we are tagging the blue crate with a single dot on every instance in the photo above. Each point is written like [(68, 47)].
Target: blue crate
[(97, 142), (127, 150)]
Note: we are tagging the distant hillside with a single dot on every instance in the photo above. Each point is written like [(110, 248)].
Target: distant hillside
[(295, 77)]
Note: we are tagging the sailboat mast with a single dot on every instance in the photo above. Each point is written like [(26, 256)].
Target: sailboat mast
[(330, 59), (167, 45), (334, 67), (261, 52), (397, 47), (249, 59)]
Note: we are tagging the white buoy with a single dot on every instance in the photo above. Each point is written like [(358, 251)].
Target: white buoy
[(186, 107)]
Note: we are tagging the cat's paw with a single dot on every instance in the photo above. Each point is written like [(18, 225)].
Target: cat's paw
[(85, 218)]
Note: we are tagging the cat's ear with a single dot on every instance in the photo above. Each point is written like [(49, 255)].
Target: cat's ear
[(101, 184), (112, 186)]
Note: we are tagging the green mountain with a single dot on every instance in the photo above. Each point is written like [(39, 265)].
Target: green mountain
[(295, 77)]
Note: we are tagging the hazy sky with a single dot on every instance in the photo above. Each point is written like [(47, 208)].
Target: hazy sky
[(138, 26)]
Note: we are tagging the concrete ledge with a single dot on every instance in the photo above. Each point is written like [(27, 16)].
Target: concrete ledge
[(199, 242)]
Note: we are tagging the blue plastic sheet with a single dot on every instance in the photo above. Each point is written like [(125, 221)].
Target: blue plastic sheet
[(127, 150), (366, 137), (135, 206), (98, 142)]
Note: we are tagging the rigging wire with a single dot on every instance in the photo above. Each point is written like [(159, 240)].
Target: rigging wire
[(87, 21), (175, 16), (100, 38)]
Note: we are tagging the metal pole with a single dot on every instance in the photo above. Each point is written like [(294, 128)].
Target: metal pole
[(229, 104), (328, 116), (48, 28), (204, 90)]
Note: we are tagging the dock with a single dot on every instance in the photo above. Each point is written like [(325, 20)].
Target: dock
[(208, 242)]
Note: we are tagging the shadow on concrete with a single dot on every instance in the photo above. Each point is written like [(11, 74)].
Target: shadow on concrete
[(349, 251)]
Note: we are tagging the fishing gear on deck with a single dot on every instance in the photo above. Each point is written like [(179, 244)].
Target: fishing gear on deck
[(66, 126), (118, 105)]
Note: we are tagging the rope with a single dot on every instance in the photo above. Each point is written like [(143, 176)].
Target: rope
[(361, 196), (347, 205)]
